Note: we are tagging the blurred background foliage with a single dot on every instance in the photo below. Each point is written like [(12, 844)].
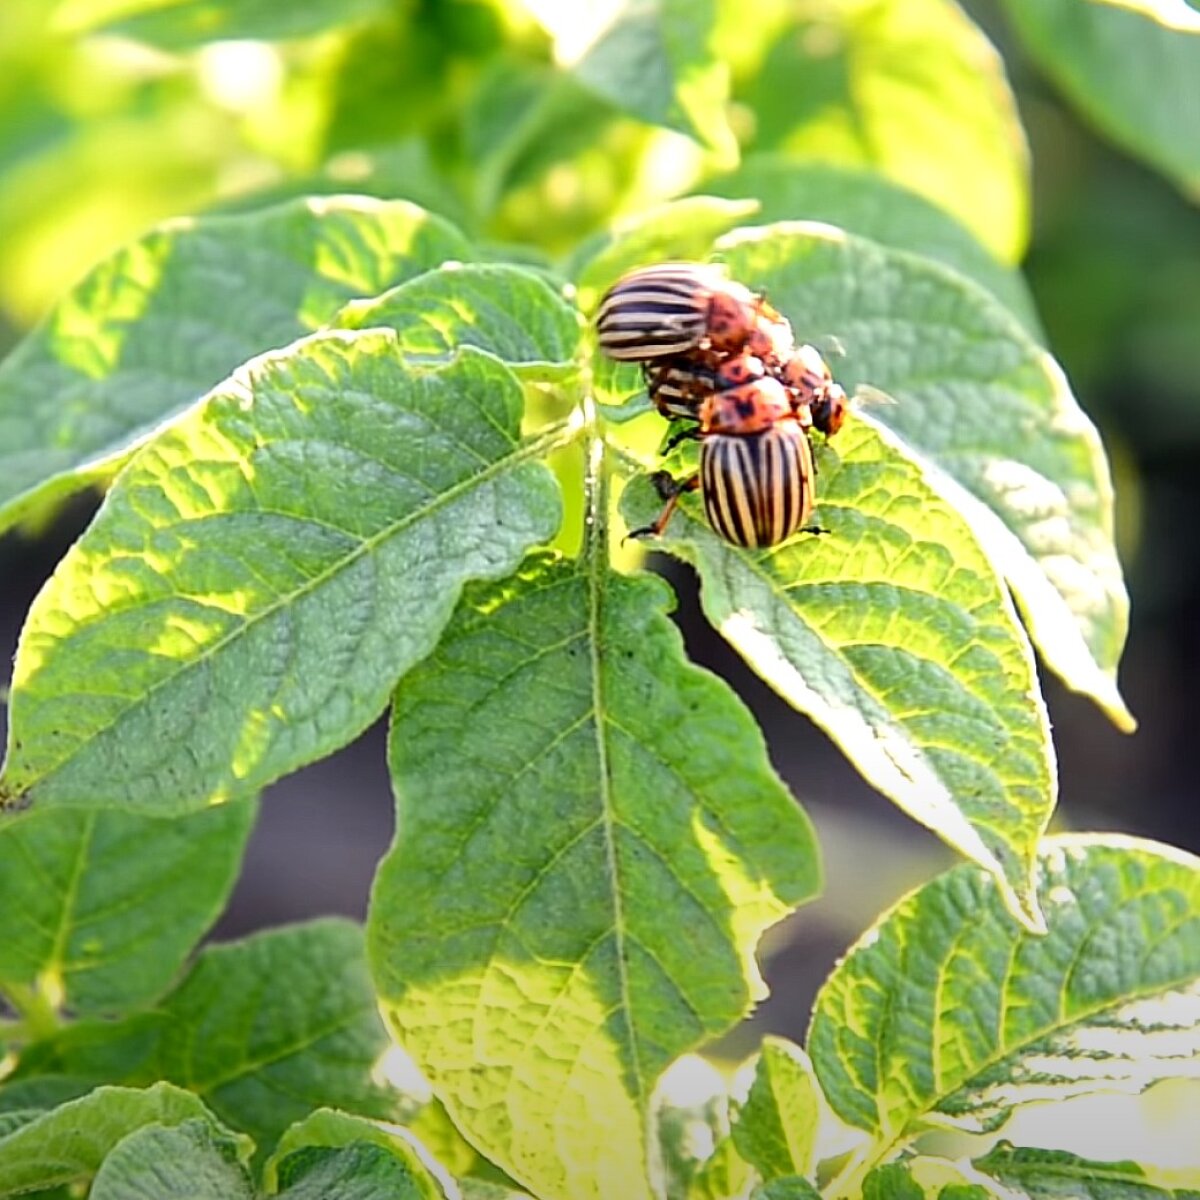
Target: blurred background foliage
[(517, 119)]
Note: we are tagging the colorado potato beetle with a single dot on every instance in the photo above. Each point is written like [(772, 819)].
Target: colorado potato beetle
[(756, 467), (674, 308), (808, 376)]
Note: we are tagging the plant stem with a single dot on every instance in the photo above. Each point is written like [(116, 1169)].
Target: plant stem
[(596, 492), (37, 1017)]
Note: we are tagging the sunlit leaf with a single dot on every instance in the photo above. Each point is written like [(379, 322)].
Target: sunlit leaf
[(689, 1125), (947, 1009), (910, 88), (977, 398), (724, 1173), (102, 908), (593, 841), (265, 570), (776, 1127), (924, 1177), (869, 205), (1051, 1174), (791, 1188), (153, 328), (509, 311), (1132, 66), (652, 58), (893, 633), (183, 24)]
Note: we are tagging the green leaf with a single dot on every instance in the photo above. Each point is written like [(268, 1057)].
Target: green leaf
[(946, 1009), (185, 24), (911, 89), (724, 1174), (508, 311), (1132, 66), (191, 1161), (154, 327), (265, 570), (269, 1028), (332, 1129), (985, 405), (70, 1142), (84, 1054), (358, 1172), (869, 205), (604, 816), (482, 1189), (265, 1030), (433, 1129), (512, 106), (791, 1188), (653, 59), (102, 908), (925, 1176), (1049, 1174), (776, 1128), (894, 634)]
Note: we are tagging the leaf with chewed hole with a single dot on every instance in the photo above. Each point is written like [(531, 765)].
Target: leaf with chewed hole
[(153, 328), (892, 631), (946, 1010), (266, 569), (981, 401), (592, 843)]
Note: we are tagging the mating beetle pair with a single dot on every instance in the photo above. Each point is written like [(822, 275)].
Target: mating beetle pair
[(715, 353)]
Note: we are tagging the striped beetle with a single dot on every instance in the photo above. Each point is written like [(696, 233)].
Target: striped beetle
[(676, 308), (678, 386), (756, 467)]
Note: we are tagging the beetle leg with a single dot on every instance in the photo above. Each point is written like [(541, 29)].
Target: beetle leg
[(680, 435), (670, 490)]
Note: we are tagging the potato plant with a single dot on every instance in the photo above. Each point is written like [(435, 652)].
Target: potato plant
[(361, 454)]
